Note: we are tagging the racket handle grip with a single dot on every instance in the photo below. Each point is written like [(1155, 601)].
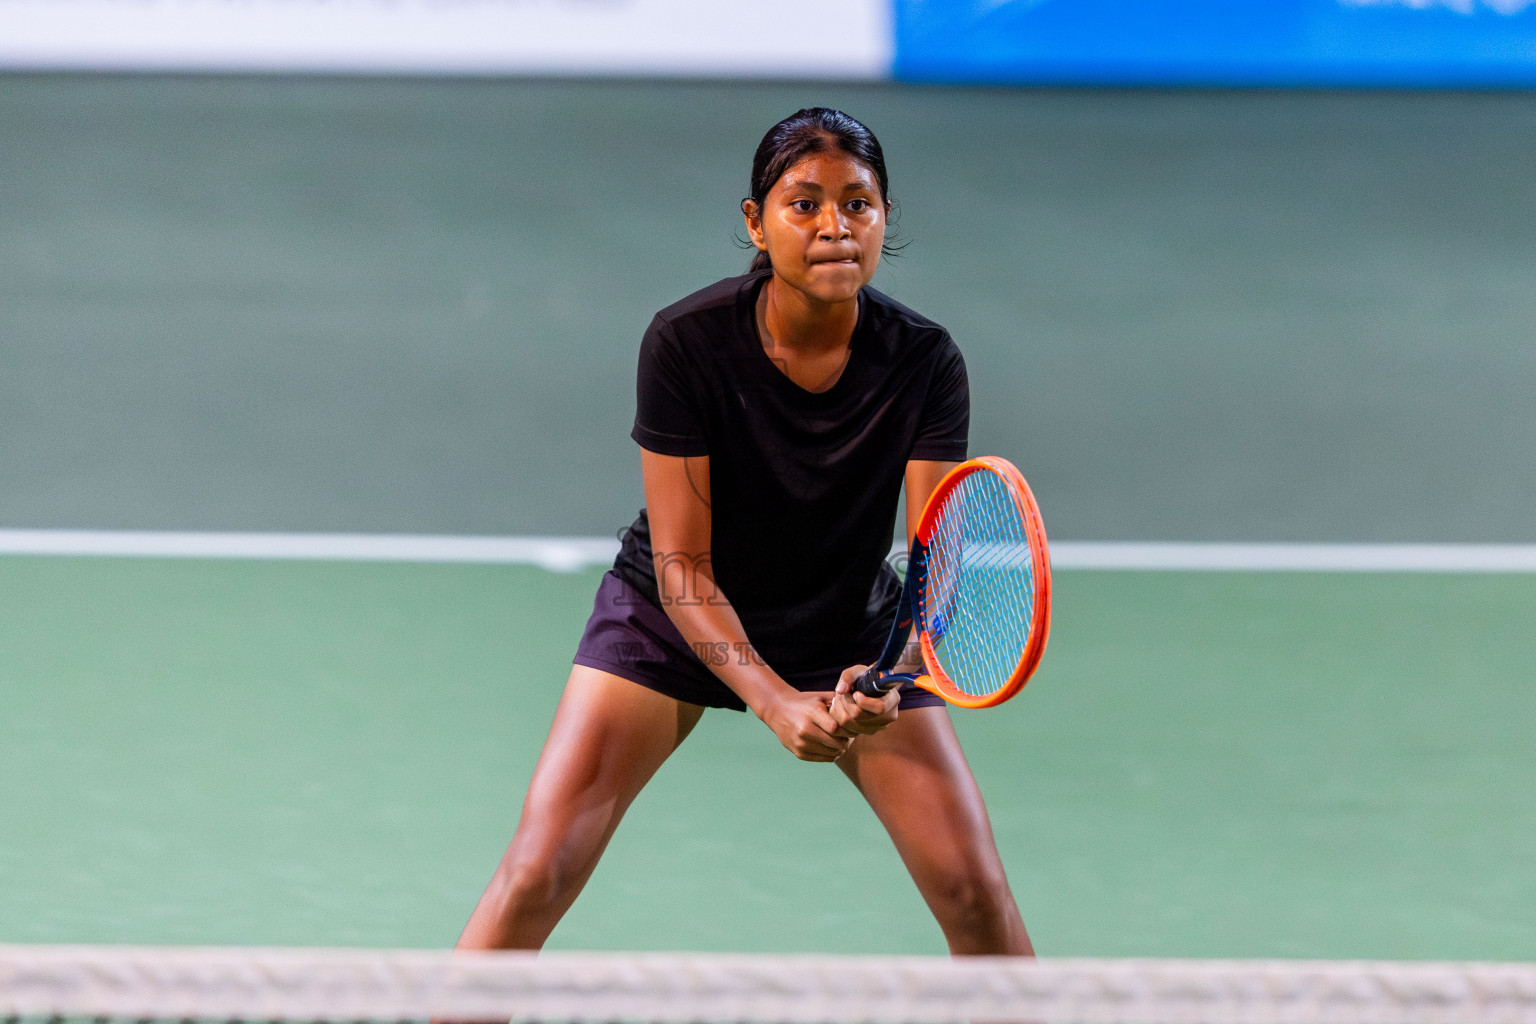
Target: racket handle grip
[(874, 683)]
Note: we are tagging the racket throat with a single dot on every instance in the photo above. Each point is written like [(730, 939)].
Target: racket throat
[(879, 680)]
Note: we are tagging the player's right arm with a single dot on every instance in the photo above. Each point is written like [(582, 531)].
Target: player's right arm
[(677, 504)]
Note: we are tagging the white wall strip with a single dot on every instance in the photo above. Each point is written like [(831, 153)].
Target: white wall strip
[(622, 37), (569, 554)]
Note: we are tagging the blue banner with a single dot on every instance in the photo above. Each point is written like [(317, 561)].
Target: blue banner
[(1347, 43), (1373, 43)]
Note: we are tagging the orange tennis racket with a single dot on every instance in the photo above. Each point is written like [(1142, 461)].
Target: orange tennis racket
[(978, 591)]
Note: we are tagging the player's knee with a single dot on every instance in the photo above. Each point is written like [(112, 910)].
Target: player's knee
[(535, 882), (970, 898)]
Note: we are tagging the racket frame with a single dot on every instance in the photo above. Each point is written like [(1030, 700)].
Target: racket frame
[(879, 679)]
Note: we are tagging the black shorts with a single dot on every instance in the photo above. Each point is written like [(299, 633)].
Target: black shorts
[(632, 638)]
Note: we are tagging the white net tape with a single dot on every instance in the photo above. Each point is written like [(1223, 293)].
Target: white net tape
[(126, 983)]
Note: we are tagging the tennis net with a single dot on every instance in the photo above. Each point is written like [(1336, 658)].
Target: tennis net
[(59, 983)]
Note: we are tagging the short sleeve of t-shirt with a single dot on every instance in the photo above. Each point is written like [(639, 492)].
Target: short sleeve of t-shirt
[(668, 420), (945, 425)]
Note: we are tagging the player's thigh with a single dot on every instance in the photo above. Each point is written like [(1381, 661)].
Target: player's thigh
[(917, 781), (609, 737)]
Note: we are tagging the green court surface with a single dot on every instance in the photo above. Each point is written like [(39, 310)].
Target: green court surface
[(1207, 765)]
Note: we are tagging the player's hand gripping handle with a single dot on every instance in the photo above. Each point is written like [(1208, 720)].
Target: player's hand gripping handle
[(875, 683)]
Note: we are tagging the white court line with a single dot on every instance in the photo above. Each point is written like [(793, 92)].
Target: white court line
[(1186, 557), (557, 554), (569, 554)]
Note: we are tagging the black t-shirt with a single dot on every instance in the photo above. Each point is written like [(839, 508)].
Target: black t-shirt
[(803, 485)]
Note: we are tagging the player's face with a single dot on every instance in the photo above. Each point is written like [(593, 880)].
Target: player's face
[(823, 224)]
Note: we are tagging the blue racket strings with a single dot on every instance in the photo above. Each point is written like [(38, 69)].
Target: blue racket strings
[(979, 597)]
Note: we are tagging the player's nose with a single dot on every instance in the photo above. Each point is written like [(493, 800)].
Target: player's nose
[(832, 226)]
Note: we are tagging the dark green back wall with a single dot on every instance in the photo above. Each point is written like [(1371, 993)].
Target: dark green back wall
[(413, 305)]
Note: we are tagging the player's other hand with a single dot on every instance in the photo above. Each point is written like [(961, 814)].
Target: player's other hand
[(805, 726), (856, 714)]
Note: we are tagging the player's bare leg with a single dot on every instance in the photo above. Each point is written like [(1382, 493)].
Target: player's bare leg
[(608, 738), (915, 777)]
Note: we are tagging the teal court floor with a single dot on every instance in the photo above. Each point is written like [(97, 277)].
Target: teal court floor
[(1221, 764)]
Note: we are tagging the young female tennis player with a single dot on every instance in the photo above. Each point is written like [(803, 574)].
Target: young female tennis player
[(779, 414)]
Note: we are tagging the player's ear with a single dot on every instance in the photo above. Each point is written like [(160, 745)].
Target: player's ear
[(753, 214)]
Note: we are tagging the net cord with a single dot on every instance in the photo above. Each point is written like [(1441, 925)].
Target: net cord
[(129, 983)]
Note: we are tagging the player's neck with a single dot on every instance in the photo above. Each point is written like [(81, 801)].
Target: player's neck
[(789, 319)]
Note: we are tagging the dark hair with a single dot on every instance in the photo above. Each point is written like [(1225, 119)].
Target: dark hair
[(812, 130)]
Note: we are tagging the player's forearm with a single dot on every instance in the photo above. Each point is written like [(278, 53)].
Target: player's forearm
[(712, 628)]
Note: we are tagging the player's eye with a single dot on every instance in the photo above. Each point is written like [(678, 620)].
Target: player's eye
[(803, 206), (858, 205)]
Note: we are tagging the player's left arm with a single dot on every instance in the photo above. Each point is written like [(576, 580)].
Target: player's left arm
[(854, 711)]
